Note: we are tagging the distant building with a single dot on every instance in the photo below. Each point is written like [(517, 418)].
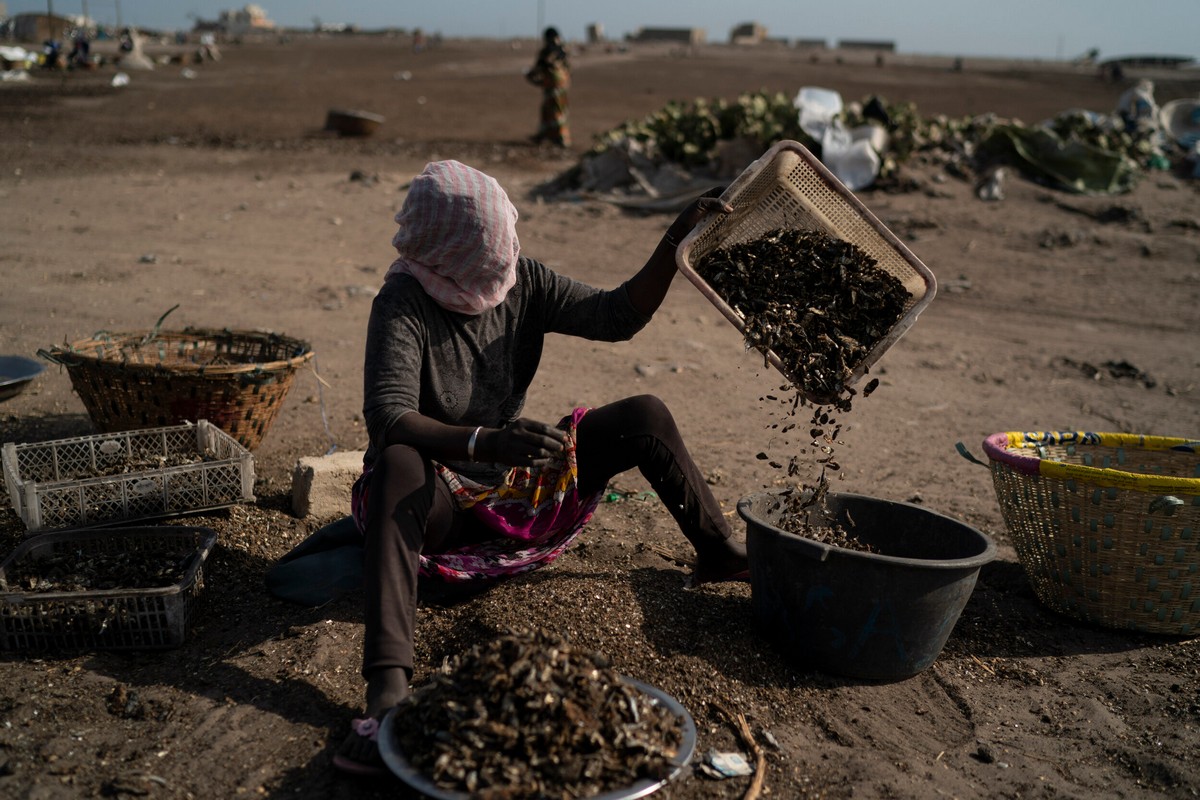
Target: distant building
[(595, 33), (748, 33), (677, 35), (1171, 62), (251, 19), (336, 27), (207, 26), (810, 44), (40, 27), (867, 44)]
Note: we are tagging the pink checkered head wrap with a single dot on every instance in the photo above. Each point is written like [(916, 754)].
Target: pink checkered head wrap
[(458, 238)]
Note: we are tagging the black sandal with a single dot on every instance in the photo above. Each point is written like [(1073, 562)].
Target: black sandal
[(359, 752)]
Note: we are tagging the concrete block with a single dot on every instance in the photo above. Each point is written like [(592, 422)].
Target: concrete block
[(321, 484)]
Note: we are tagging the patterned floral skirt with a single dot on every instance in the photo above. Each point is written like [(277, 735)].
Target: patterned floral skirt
[(535, 516)]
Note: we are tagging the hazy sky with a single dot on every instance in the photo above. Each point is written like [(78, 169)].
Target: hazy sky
[(1048, 29)]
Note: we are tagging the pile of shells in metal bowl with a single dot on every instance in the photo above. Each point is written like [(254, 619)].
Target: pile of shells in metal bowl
[(818, 302), (527, 714)]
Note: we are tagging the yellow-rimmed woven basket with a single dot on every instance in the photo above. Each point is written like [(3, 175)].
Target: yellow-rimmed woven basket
[(235, 379), (1106, 525)]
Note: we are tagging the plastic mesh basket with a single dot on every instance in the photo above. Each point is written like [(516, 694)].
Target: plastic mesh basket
[(110, 619), (789, 188), (1106, 525), (159, 472)]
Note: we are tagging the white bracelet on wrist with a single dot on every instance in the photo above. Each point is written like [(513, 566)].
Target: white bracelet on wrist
[(471, 443)]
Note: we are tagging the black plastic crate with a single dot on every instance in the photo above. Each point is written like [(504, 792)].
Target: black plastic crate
[(104, 619)]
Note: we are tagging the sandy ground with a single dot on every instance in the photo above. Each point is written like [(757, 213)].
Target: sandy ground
[(220, 193)]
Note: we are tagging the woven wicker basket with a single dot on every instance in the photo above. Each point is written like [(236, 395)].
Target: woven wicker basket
[(1106, 525), (236, 380)]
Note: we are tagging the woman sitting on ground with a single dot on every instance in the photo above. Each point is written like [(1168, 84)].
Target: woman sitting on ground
[(457, 486)]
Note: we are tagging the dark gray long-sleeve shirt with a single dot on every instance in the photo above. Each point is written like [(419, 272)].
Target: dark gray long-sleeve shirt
[(475, 370)]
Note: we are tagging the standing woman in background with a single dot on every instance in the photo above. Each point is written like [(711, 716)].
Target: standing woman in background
[(552, 72)]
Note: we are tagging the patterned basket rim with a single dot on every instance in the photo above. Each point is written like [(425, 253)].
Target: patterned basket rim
[(1021, 451), (91, 351)]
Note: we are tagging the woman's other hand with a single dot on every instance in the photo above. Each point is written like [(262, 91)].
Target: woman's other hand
[(524, 443)]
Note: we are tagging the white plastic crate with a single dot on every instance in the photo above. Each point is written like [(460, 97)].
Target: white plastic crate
[(110, 478)]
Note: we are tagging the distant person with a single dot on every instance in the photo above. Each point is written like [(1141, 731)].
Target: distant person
[(552, 72), (52, 56), (80, 55), (1137, 108), (132, 56), (208, 48)]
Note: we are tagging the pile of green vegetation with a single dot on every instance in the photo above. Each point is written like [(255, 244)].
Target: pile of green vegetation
[(690, 134)]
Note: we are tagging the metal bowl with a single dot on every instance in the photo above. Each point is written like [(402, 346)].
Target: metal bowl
[(16, 372), (389, 749)]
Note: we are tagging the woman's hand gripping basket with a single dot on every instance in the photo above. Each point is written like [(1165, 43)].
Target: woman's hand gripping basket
[(1106, 525), (235, 379), (788, 188)]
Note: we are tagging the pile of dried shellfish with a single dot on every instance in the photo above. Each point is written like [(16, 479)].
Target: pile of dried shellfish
[(818, 302), (529, 715), (84, 572)]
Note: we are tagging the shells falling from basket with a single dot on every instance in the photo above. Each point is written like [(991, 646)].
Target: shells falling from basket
[(818, 303)]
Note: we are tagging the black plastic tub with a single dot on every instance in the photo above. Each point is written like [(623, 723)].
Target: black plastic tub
[(884, 615)]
